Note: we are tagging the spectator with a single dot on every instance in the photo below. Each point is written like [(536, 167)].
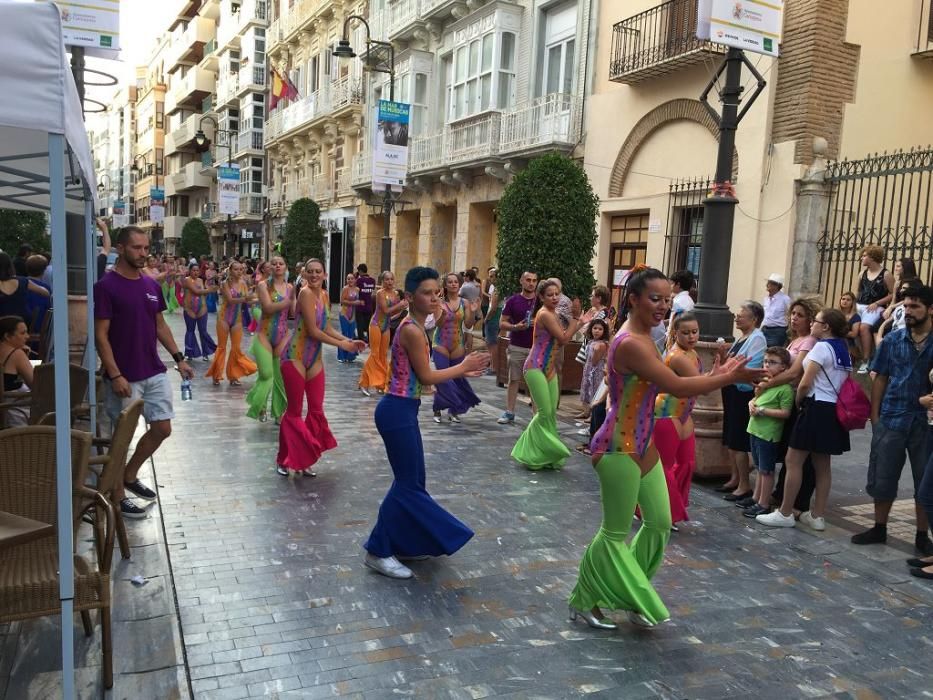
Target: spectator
[(128, 325), (875, 291), (14, 290), (364, 312), (491, 320), (893, 316), (104, 262), (847, 307), (923, 568), (594, 369), (776, 305), (817, 432), (899, 420), (681, 284), (37, 304), (19, 262), (516, 321), (17, 370)]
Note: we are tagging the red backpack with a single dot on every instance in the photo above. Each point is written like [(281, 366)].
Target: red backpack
[(852, 405)]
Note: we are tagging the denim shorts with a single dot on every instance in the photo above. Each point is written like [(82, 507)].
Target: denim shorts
[(889, 450), (764, 454), (156, 393)]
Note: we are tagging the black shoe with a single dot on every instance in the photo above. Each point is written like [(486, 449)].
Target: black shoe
[(920, 573), (923, 544), (919, 563), (877, 534), (131, 510), (755, 510), (746, 502), (737, 496), (140, 490), (724, 489)]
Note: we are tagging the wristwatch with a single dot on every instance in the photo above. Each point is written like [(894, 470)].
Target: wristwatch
[(178, 356)]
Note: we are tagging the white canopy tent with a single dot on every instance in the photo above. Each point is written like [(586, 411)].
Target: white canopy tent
[(46, 165)]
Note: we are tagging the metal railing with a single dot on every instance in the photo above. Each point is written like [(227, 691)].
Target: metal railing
[(548, 120), (321, 188), (208, 211), (331, 97), (402, 13), (475, 137), (251, 204), (426, 152), (657, 41), (298, 14), (343, 180), (252, 77)]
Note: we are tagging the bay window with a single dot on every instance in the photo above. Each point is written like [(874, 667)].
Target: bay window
[(480, 75)]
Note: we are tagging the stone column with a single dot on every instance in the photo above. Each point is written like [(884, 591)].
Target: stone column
[(812, 207), (712, 457), (424, 230)]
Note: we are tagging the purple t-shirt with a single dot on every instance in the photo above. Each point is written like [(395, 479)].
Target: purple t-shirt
[(367, 287), (131, 306), (517, 309)]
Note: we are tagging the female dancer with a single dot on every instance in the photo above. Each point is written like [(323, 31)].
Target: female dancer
[(349, 300), (613, 574), (539, 446), (673, 427), (375, 374), (168, 285), (454, 395), (232, 295), (210, 279), (302, 442), (410, 523), (275, 299), (260, 278), (179, 277), (195, 307)]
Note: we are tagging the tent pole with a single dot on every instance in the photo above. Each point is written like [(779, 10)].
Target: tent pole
[(90, 350), (66, 582)]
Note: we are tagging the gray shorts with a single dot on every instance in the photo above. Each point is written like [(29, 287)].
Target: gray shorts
[(156, 393), (517, 357), (889, 450)]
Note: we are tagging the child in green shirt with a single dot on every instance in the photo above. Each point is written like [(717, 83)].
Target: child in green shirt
[(765, 426)]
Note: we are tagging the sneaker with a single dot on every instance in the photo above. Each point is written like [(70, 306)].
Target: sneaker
[(818, 524), (754, 510), (132, 511), (746, 502), (877, 534), (140, 490), (585, 432), (280, 470), (309, 472), (863, 368), (364, 391), (387, 566), (437, 417), (506, 418), (776, 519), (419, 557), (453, 419)]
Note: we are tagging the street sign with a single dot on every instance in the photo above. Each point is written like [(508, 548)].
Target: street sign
[(156, 205), (120, 217), (93, 24), (228, 189), (390, 139), (752, 25)]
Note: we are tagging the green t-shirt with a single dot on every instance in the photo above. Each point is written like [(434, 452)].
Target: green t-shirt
[(766, 428)]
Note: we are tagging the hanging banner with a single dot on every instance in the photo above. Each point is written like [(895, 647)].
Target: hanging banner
[(156, 205), (120, 217), (752, 25), (228, 189), (390, 143), (93, 24)]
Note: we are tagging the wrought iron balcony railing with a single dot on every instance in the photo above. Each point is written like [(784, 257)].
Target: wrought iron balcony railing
[(659, 40)]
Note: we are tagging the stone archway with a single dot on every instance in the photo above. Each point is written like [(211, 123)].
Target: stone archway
[(675, 110)]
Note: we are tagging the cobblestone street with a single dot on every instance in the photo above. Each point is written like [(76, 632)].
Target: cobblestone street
[(273, 599)]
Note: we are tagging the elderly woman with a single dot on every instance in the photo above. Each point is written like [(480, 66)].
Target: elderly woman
[(751, 344)]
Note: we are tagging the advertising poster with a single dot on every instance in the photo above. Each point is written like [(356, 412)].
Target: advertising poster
[(228, 189), (93, 24), (156, 205), (120, 217), (390, 143), (752, 25)]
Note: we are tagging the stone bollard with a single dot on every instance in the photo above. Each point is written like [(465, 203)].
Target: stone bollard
[(712, 457)]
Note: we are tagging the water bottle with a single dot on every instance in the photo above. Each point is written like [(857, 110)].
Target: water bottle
[(186, 389), (528, 318)]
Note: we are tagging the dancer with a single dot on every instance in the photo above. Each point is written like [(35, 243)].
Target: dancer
[(539, 446), (233, 293), (375, 374), (613, 574), (454, 395), (411, 524), (302, 442), (168, 286), (349, 302), (673, 427), (275, 299), (195, 306)]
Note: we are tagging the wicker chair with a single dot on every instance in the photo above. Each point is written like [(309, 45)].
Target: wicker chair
[(29, 577), (41, 399), (113, 463)]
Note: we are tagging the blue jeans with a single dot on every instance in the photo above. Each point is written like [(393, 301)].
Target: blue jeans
[(925, 491), (775, 335)]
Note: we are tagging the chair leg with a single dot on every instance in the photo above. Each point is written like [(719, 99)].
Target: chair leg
[(86, 620), (107, 644), (121, 533)]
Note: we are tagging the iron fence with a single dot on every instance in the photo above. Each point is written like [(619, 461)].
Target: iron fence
[(881, 200), (685, 214)]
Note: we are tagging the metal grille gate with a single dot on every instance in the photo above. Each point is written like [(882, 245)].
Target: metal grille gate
[(684, 237), (882, 200)]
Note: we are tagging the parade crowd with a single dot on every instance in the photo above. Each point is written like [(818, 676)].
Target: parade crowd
[(788, 385)]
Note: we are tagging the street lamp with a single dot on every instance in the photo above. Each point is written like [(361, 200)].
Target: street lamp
[(101, 188), (203, 143), (380, 58)]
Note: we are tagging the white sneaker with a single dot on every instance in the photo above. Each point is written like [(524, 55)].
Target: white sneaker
[(863, 368), (387, 566), (776, 519), (364, 391), (585, 432), (818, 524)]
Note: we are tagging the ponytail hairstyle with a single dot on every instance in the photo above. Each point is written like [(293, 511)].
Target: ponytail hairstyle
[(637, 280), (540, 290), (270, 280)]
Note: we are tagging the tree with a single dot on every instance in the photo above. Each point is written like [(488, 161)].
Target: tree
[(195, 239), (303, 237), (547, 224), (18, 227)]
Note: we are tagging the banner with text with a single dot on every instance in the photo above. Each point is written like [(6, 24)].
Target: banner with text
[(156, 205), (752, 25), (228, 189), (120, 217), (390, 143), (93, 24)]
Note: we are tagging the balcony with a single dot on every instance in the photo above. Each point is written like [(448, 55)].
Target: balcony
[(189, 91), (333, 97), (248, 142), (191, 177), (321, 189), (210, 59), (402, 15), (228, 85), (234, 22), (426, 152), (344, 187), (187, 47), (208, 211), (250, 205), (284, 27), (294, 192), (182, 138), (362, 170), (658, 41), (252, 78), (473, 138), (172, 226), (545, 122)]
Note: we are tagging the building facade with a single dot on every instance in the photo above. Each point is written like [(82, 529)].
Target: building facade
[(149, 154)]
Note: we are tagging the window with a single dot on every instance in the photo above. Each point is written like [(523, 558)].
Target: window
[(472, 89), (314, 70), (558, 60), (419, 104), (628, 247), (506, 96)]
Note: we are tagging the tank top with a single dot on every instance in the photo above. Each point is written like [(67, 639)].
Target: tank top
[(275, 326), (402, 378), (194, 303), (381, 318), (450, 333), (543, 353), (349, 309), (630, 418), (11, 381), (668, 405), (870, 291), (230, 311), (303, 347)]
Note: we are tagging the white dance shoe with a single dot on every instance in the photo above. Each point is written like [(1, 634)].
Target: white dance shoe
[(387, 566)]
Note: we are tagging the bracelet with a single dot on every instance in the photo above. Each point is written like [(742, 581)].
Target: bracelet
[(113, 379)]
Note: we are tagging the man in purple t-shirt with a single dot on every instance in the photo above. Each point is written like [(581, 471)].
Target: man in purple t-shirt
[(516, 319), (364, 312), (128, 323)]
